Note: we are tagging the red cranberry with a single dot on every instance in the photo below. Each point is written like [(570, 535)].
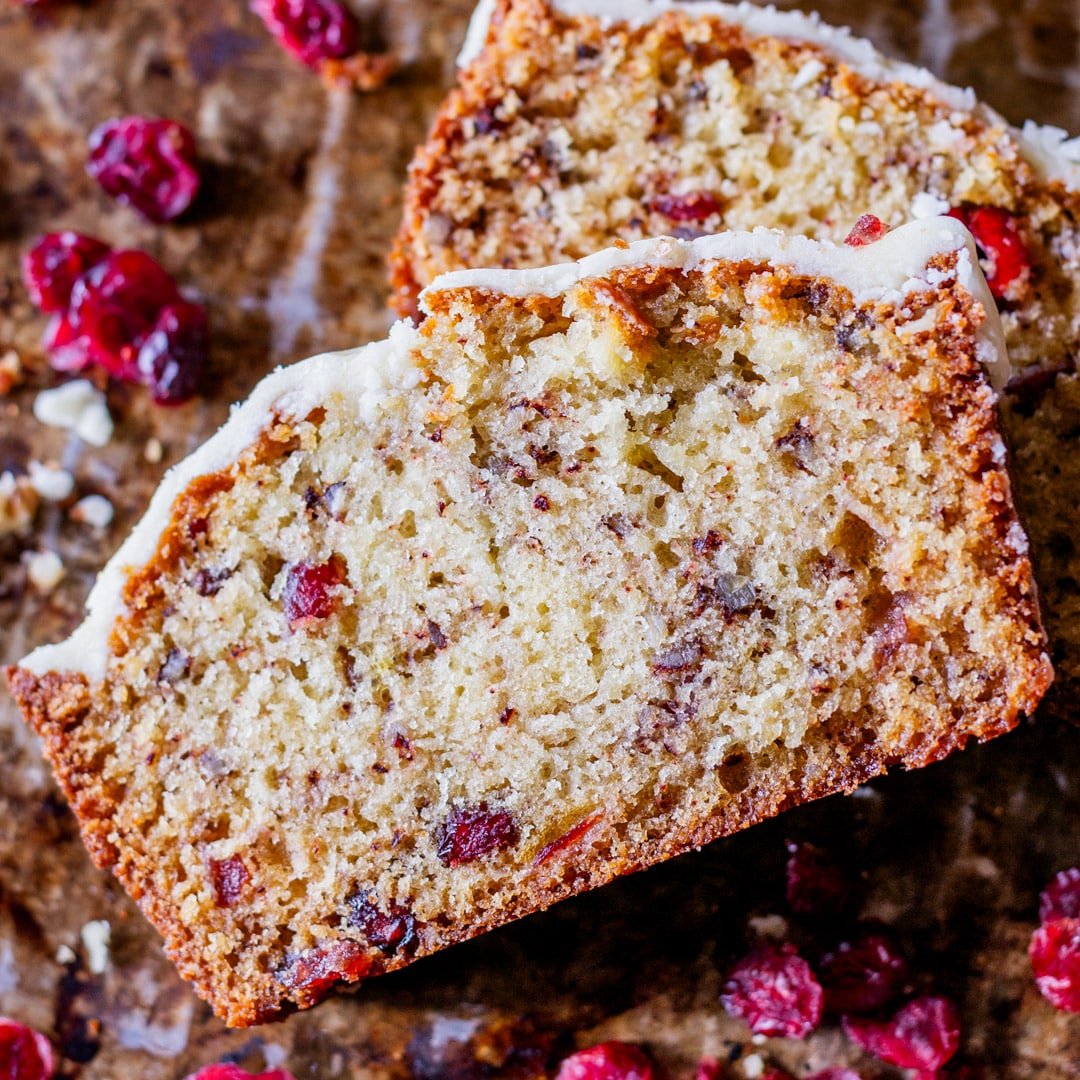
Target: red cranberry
[(115, 305), (51, 267), (568, 839), (147, 164), (708, 1068), (775, 992), (307, 591), (835, 1072), (696, 206), (66, 347), (317, 970), (228, 878), (924, 1034), (1061, 898), (471, 832), (172, 358), (1055, 960), (607, 1061), (25, 1054), (234, 1072), (1006, 259), (866, 230), (816, 883), (863, 975), (390, 931), (312, 30)]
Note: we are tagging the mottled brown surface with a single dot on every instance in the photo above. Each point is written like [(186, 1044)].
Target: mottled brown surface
[(954, 855)]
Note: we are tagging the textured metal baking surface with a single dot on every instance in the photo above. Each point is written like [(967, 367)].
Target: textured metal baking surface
[(287, 246)]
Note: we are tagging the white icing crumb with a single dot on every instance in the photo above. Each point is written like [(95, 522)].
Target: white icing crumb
[(926, 205), (51, 482), (95, 938), (79, 407), (768, 926), (153, 451), (44, 570), (753, 1066), (807, 74), (758, 1040), (94, 510), (65, 954)]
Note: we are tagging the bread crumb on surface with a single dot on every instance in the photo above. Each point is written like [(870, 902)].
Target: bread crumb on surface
[(94, 510), (44, 570)]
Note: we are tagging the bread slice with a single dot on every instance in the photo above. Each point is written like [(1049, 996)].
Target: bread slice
[(579, 122), (601, 562)]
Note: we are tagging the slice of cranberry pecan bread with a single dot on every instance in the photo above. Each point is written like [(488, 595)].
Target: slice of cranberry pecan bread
[(601, 562), (582, 121)]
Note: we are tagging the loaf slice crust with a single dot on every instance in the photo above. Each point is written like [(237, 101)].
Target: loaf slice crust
[(597, 565), (579, 122)]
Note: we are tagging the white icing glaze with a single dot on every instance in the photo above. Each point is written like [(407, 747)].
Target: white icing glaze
[(894, 267), (1048, 149)]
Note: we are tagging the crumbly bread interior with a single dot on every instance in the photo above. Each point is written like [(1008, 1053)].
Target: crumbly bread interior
[(567, 133), (631, 568)]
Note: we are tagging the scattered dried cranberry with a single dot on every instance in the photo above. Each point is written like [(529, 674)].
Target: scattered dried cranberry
[(816, 882), (312, 30), (234, 1072), (471, 832), (866, 230), (863, 975), (697, 206), (1061, 898), (228, 878), (52, 266), (924, 1034), (1055, 960), (389, 931), (708, 1068), (147, 164), (775, 992), (25, 1054), (607, 1061), (307, 591), (315, 971), (1006, 258), (172, 358)]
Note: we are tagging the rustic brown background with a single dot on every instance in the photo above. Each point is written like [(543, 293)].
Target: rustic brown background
[(286, 244)]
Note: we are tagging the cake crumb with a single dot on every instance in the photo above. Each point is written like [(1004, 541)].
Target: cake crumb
[(93, 510), (51, 482), (44, 570), (11, 372), (18, 503), (153, 451), (95, 938), (753, 1066), (78, 407), (65, 954)]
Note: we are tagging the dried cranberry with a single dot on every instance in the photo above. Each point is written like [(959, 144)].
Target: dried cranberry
[(471, 832), (67, 349), (568, 839), (307, 591), (1055, 960), (835, 1072), (924, 1034), (172, 359), (816, 882), (607, 1061), (1061, 898), (708, 1068), (866, 230), (862, 975), (115, 305), (312, 30), (775, 992), (389, 931), (315, 971), (228, 878), (1006, 259), (234, 1072), (25, 1054), (696, 206), (52, 266), (147, 164)]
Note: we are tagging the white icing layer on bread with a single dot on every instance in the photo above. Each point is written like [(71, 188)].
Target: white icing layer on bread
[(1049, 150), (888, 270)]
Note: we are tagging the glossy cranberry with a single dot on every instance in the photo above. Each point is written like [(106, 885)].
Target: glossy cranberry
[(866, 230), (66, 347), (1055, 960), (308, 591), (115, 305), (775, 992), (471, 832), (315, 971), (1006, 260), (389, 931), (862, 975), (234, 1072), (1061, 898), (172, 358), (312, 30), (816, 882), (25, 1054), (607, 1061), (924, 1034), (697, 206), (52, 266), (227, 879)]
